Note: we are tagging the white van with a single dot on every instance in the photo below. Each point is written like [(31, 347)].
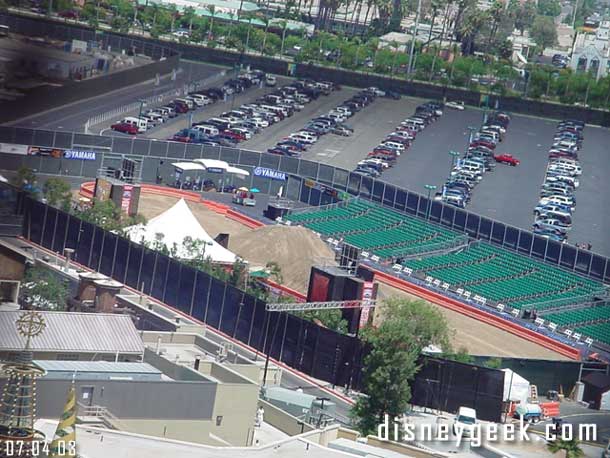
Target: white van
[(399, 147), (411, 124), (304, 137), (573, 170), (141, 124), (465, 421), (207, 129), (417, 121), (472, 169), (203, 99), (558, 200), (564, 161), (474, 163), (188, 102)]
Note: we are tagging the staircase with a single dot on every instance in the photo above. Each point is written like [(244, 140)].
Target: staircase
[(97, 416)]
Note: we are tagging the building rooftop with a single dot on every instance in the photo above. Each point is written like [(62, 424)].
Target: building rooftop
[(75, 333), (99, 370), (102, 443)]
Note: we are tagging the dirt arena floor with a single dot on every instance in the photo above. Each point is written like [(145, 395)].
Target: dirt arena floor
[(296, 249), (480, 338)]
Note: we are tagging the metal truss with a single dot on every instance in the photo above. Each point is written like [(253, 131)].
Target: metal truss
[(305, 306)]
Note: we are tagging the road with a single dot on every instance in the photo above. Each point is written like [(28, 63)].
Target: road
[(72, 117)]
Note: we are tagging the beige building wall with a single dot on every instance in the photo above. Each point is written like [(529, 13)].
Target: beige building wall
[(235, 405), (184, 430)]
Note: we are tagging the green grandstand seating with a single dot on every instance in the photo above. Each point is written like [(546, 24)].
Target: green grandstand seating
[(483, 269), (598, 331), (572, 317), (503, 276)]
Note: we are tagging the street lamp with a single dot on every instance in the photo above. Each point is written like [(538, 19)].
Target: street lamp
[(471, 130), (142, 103), (430, 188), (454, 155)]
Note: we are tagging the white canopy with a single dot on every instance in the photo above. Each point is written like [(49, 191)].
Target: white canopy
[(172, 226), (217, 164), (188, 166), (516, 388)]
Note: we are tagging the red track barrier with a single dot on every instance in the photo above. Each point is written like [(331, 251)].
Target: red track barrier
[(480, 315), (87, 189)]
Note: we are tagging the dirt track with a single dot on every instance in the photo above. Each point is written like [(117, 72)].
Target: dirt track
[(481, 338)]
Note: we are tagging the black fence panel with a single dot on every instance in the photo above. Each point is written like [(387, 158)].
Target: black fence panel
[(448, 385), (108, 253), (187, 286), (121, 258), (230, 310), (172, 284), (97, 248), (160, 276), (201, 296)]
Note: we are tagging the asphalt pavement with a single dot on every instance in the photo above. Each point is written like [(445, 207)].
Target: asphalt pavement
[(72, 117)]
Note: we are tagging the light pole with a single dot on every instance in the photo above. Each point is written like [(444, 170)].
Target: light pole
[(454, 155), (142, 103), (471, 130), (430, 188)]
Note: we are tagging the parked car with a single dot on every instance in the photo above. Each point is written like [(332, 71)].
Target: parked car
[(507, 159), (125, 128), (455, 105)]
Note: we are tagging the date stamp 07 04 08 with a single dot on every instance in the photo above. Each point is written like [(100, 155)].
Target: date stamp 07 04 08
[(17, 449)]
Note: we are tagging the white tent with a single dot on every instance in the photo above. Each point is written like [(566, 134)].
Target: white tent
[(215, 165), (516, 388), (172, 226)]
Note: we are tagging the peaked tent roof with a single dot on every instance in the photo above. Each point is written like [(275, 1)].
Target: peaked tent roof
[(175, 224)]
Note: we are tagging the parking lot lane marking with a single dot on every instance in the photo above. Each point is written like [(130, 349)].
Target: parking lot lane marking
[(332, 150)]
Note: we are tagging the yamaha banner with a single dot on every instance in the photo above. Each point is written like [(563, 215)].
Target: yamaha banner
[(272, 174)]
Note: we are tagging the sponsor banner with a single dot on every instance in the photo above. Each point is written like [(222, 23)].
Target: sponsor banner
[(12, 148), (126, 199), (45, 151), (81, 155), (272, 174), (102, 189), (367, 298), (214, 170)]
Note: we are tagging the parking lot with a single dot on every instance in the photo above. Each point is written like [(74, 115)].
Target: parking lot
[(508, 194)]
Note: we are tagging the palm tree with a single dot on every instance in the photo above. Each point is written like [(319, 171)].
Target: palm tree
[(275, 271), (284, 26), (212, 10), (395, 45), (571, 448), (249, 16), (267, 21)]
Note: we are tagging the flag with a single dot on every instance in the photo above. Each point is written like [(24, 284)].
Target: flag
[(65, 434)]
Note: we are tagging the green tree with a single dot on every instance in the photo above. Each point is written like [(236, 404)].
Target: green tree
[(25, 179), (493, 363), (212, 10), (42, 290), (57, 192), (331, 319), (104, 214), (391, 363), (570, 447), (550, 8), (275, 271), (544, 32), (461, 356)]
